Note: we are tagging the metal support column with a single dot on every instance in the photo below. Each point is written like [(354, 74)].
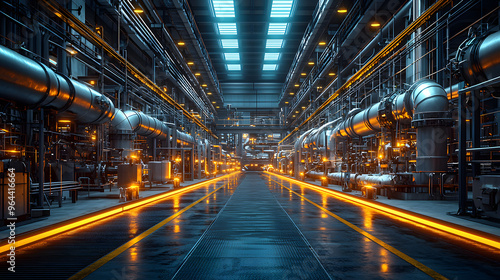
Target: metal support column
[(462, 150), (41, 159), (476, 130), (191, 164)]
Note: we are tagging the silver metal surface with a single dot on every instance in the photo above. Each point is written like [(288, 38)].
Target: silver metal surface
[(30, 83), (481, 61)]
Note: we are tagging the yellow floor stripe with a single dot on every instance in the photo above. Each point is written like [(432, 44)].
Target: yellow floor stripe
[(27, 239), (102, 261), (445, 227), (386, 246)]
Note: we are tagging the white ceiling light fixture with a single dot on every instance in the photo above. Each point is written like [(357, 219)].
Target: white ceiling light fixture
[(281, 8), (223, 8), (227, 28)]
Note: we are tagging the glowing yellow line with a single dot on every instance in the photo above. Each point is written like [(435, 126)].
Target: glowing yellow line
[(102, 261), (386, 246), (115, 210), (412, 218)]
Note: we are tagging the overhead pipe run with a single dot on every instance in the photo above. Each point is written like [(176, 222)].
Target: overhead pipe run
[(360, 75), (85, 31), (479, 60), (33, 84)]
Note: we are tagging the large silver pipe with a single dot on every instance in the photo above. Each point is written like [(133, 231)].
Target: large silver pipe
[(298, 168), (430, 108), (317, 137), (480, 61), (145, 125), (185, 137), (31, 83), (425, 103)]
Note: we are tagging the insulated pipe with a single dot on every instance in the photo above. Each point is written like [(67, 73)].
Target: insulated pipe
[(316, 137), (423, 97), (426, 103), (33, 84), (298, 153), (430, 108), (481, 60), (125, 124), (185, 137), (145, 125)]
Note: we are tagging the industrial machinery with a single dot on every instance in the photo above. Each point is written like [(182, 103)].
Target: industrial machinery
[(72, 134), (404, 144)]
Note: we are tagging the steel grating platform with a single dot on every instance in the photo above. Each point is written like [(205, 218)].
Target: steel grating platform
[(252, 238)]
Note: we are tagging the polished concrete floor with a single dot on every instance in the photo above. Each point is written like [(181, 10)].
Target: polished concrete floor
[(254, 227)]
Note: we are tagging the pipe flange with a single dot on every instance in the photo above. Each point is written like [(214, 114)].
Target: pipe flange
[(468, 62), (385, 116), (427, 119), (72, 93)]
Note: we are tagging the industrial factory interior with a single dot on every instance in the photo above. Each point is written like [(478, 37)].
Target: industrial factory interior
[(250, 139)]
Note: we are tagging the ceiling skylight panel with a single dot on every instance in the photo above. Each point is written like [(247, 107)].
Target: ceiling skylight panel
[(233, 67), (281, 8), (229, 43), (223, 8), (274, 43), (227, 28), (231, 56), (277, 28), (271, 56), (269, 67)]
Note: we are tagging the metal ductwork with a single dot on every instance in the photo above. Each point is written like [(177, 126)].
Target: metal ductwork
[(481, 60), (426, 104), (33, 84)]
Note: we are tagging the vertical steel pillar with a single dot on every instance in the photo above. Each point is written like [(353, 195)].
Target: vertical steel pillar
[(476, 130), (462, 152), (191, 163), (41, 159)]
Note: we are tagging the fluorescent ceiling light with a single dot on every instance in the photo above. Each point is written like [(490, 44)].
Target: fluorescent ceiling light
[(281, 8), (271, 56), (233, 67), (223, 8), (277, 28), (231, 56), (229, 43), (267, 67), (274, 43), (227, 28)]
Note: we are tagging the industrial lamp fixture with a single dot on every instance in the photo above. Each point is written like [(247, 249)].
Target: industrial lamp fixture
[(341, 10)]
